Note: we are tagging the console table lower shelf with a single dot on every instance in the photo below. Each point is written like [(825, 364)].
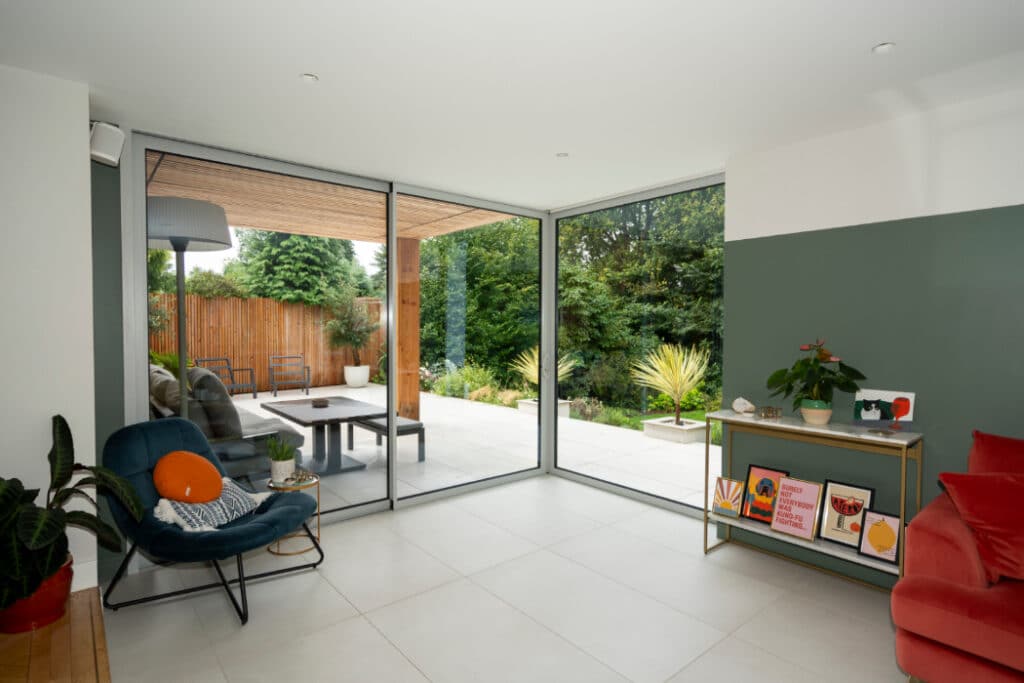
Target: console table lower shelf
[(818, 545)]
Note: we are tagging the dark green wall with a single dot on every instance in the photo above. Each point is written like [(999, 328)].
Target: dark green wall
[(932, 305), (108, 342)]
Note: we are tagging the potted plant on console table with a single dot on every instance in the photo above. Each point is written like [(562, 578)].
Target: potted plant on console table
[(35, 566), (812, 380)]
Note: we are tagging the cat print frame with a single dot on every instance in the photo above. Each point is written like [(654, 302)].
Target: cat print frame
[(880, 536), (884, 409), (842, 512)]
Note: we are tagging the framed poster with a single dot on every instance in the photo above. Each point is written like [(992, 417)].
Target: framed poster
[(883, 408), (760, 492), (728, 497), (880, 536), (842, 515), (796, 508)]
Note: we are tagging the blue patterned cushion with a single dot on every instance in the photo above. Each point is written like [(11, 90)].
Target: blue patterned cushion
[(234, 503)]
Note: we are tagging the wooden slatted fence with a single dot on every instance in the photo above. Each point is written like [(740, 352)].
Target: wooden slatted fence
[(249, 331)]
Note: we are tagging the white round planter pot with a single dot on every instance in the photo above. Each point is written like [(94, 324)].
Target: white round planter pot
[(281, 469), (357, 375)]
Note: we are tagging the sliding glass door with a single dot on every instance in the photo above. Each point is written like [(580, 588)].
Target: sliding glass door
[(639, 285), (287, 310), (468, 331)]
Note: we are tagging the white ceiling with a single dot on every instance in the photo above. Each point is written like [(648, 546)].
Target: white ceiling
[(477, 97)]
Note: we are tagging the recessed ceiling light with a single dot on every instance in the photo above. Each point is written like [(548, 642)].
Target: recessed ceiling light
[(309, 78), (883, 48), (562, 155)]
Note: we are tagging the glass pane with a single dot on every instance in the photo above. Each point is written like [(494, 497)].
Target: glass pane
[(468, 305), (640, 285), (294, 310)]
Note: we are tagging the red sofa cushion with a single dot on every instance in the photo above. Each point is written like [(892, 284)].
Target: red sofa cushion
[(988, 503), (941, 546), (936, 663), (994, 453), (986, 622)]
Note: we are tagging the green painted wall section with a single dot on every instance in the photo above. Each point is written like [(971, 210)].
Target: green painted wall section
[(933, 305), (108, 342)]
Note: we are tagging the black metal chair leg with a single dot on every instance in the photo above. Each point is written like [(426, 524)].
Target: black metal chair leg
[(118, 575), (243, 609)]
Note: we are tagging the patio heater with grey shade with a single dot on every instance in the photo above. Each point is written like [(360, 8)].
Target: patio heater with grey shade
[(185, 225)]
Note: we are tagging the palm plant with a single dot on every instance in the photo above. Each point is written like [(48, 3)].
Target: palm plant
[(33, 538), (672, 370), (527, 364)]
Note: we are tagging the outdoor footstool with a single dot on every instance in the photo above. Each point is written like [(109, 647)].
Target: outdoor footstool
[(379, 426)]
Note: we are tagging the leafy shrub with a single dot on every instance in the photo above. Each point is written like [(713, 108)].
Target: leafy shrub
[(461, 382), (585, 408), (616, 417), (662, 403), (485, 394), (509, 397)]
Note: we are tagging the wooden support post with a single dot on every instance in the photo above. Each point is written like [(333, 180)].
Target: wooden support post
[(408, 328)]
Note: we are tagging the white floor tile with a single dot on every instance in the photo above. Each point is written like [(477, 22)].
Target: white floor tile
[(378, 569), (148, 639), (296, 604), (635, 635), (460, 632), (351, 650), (457, 537), (829, 642), (735, 660), (725, 600)]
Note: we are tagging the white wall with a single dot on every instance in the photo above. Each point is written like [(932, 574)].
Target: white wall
[(956, 158), (45, 280)]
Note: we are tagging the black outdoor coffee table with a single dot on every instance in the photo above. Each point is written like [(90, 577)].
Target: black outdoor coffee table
[(326, 424)]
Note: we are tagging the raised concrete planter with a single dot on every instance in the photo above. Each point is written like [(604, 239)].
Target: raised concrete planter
[(529, 405), (665, 428)]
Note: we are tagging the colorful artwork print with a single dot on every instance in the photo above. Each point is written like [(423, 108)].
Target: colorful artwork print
[(842, 515), (880, 537), (728, 497), (796, 508), (760, 493), (876, 407)]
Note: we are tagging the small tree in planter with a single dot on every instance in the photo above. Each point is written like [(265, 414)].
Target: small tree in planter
[(527, 364), (673, 371), (349, 326), (35, 567)]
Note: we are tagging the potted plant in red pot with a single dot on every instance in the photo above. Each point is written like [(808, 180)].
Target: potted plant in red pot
[(35, 567), (812, 380)]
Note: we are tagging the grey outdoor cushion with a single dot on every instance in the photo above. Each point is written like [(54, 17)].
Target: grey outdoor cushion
[(220, 410)]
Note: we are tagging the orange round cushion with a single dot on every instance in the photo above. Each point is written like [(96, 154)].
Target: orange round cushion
[(187, 477)]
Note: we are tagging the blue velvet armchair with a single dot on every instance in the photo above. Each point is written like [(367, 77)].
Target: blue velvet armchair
[(133, 452)]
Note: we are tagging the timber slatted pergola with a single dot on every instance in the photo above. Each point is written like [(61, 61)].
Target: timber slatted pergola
[(272, 201)]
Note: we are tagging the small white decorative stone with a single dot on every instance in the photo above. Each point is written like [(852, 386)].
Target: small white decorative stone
[(742, 405)]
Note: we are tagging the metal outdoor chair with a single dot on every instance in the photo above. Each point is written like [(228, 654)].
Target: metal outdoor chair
[(230, 376), (290, 371)]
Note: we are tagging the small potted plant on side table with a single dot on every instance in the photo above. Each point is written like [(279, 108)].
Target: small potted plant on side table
[(812, 380), (282, 459)]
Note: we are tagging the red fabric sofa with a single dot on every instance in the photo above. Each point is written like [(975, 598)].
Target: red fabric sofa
[(952, 625)]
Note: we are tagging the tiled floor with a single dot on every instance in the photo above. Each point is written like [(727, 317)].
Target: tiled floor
[(539, 580)]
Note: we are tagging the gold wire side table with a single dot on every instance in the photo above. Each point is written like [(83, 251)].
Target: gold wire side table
[(312, 482)]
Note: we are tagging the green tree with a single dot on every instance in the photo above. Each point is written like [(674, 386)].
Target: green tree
[(378, 281), (159, 276), (480, 296), (211, 285), (297, 268)]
